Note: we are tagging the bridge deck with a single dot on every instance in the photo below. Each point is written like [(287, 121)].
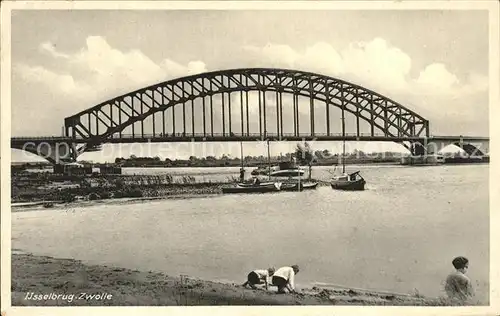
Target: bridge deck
[(158, 138)]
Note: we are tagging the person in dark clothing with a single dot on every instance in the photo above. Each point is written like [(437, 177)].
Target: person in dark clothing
[(284, 278), (242, 174), (259, 277), (458, 285)]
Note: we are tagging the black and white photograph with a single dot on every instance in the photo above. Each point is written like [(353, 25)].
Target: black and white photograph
[(241, 153)]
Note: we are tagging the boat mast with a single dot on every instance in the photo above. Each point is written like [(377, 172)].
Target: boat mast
[(241, 153), (268, 161), (343, 142)]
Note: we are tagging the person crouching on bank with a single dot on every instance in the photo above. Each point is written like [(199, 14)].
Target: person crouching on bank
[(259, 277), (284, 278)]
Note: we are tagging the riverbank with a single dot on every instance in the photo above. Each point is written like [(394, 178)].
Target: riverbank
[(96, 285), (60, 189)]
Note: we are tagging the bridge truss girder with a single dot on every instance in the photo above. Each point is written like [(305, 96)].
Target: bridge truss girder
[(111, 117)]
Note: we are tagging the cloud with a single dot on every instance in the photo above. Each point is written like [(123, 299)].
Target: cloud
[(375, 64), (100, 70), (58, 83), (437, 77), (48, 47)]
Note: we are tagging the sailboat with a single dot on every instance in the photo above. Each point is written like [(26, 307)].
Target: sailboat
[(255, 186), (347, 181)]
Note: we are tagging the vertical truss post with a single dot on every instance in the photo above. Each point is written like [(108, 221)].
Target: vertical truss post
[(372, 120), (110, 116), (260, 114), (399, 123), (173, 112), (413, 126), (327, 105), (241, 107), (295, 105), (163, 112), (386, 123), (154, 114), (357, 112), (342, 102), (204, 111), (142, 113), (246, 104), (311, 105), (90, 124), (133, 124), (223, 115), (96, 122), (277, 113), (229, 112), (183, 110), (192, 109), (264, 107), (211, 109), (120, 118), (281, 108)]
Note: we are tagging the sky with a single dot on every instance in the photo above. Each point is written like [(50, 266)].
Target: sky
[(433, 62)]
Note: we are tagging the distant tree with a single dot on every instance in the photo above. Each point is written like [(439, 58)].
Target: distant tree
[(305, 156), (133, 157), (192, 158), (211, 158)]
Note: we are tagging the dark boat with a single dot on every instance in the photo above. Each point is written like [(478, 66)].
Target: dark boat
[(295, 186), (348, 182), (253, 184), (254, 188)]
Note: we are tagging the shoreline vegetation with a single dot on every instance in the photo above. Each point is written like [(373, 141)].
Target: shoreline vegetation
[(103, 285), (31, 187), (45, 185)]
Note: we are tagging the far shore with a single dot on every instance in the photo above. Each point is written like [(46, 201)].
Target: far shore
[(100, 285)]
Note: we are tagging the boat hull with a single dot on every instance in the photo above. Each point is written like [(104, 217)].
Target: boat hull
[(251, 184), (260, 188), (295, 186), (357, 185)]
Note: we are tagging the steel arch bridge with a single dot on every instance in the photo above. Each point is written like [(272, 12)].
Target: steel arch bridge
[(217, 98)]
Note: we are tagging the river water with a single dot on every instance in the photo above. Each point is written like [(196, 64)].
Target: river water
[(398, 235)]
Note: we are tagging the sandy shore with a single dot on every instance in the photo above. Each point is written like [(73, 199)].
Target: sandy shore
[(94, 285)]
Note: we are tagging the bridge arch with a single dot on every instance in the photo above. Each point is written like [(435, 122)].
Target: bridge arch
[(101, 122)]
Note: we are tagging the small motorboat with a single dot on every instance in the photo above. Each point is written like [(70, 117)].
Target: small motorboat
[(283, 169), (348, 182), (263, 170), (263, 187), (294, 186), (287, 169)]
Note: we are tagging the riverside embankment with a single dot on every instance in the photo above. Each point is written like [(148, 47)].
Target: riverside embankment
[(69, 282)]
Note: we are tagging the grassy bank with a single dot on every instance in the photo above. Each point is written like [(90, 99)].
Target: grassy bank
[(124, 287)]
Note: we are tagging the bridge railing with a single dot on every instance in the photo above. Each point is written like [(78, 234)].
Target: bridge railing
[(228, 135)]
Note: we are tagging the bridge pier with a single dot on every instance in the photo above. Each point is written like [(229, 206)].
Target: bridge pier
[(54, 152), (429, 149)]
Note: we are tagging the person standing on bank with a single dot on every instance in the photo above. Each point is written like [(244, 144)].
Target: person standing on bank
[(259, 277), (242, 174), (284, 278), (458, 285)]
